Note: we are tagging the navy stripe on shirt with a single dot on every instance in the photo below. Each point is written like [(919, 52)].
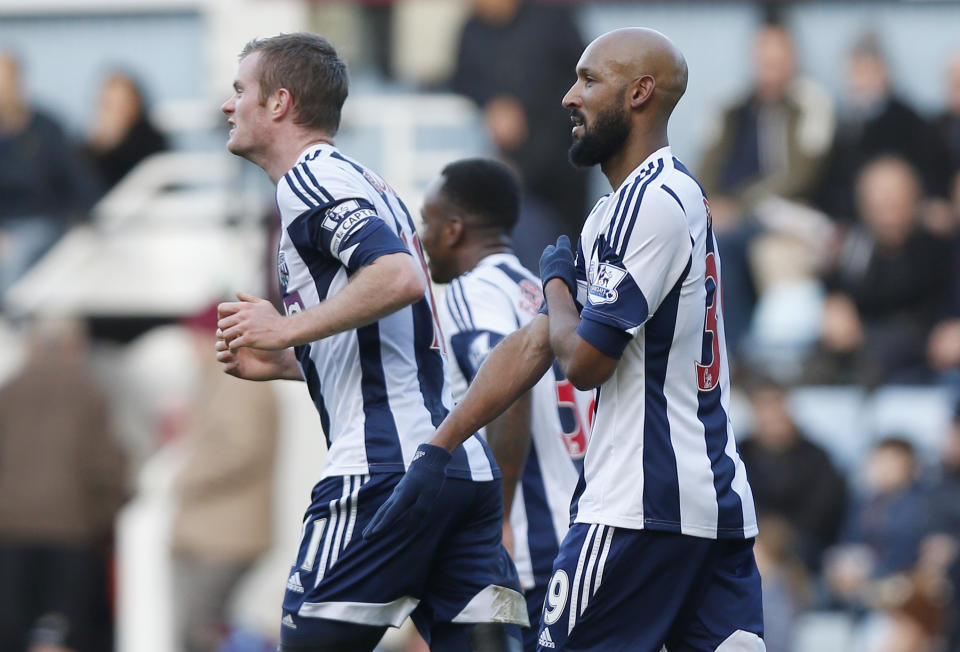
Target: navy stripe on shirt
[(683, 168), (381, 439), (323, 191), (670, 192), (318, 199), (619, 244), (289, 179), (661, 485), (429, 361), (454, 310), (312, 378), (457, 285), (541, 535), (624, 200)]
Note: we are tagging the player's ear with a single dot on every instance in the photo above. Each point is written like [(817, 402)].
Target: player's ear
[(454, 231), (641, 90), (280, 103)]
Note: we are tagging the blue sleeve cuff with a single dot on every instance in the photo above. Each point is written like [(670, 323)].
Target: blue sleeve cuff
[(370, 255), (609, 340), (373, 240)]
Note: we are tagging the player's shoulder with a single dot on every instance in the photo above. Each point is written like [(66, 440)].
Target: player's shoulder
[(682, 181), (341, 176), (477, 284), (324, 178), (487, 286)]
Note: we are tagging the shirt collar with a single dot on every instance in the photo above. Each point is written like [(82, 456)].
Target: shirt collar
[(662, 153), (315, 150)]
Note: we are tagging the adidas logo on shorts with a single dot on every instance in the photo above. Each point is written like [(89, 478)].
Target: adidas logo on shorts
[(293, 584), (288, 622), (545, 639)]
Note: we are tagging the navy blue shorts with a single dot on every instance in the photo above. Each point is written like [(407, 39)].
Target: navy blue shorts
[(449, 567), (621, 590)]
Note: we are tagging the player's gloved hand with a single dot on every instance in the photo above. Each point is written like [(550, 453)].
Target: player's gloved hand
[(556, 261), (414, 494)]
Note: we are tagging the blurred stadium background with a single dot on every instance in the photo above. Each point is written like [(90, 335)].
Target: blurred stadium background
[(841, 296)]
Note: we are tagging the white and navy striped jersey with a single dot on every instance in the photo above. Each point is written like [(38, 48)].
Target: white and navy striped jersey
[(662, 454), (381, 390), (480, 308)]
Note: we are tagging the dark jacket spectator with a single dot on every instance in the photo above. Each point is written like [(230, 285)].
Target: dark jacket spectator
[(516, 60), (42, 184), (122, 134), (876, 122), (792, 477), (773, 141), (888, 287), (946, 133)]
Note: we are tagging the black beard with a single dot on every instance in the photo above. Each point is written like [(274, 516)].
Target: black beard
[(606, 138)]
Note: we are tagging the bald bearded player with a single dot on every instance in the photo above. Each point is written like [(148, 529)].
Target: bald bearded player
[(660, 548)]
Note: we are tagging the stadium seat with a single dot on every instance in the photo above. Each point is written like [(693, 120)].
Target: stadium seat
[(919, 414), (833, 418)]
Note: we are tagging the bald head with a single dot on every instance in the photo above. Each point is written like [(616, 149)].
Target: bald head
[(634, 52), (628, 82)]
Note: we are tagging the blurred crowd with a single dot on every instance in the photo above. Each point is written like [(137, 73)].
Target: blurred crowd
[(47, 180), (838, 222), (847, 220)]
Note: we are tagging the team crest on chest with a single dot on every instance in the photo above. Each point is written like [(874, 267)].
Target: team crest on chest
[(603, 288)]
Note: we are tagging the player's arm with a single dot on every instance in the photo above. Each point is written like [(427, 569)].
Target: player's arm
[(389, 283), (654, 259), (347, 231), (584, 365), (508, 436), (509, 371)]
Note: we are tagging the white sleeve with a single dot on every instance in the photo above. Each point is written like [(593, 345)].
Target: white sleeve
[(639, 265)]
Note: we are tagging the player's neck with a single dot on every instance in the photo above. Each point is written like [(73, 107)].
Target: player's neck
[(472, 256), (639, 146), (288, 150)]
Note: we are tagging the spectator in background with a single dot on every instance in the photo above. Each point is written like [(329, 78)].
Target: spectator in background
[(774, 141), (63, 478), (876, 566), (224, 519), (42, 184), (946, 132), (943, 345), (121, 134), (888, 286), (941, 548), (875, 121), (516, 60), (889, 517), (786, 581), (793, 479)]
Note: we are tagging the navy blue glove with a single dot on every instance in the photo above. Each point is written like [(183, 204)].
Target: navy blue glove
[(556, 261), (414, 494)]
